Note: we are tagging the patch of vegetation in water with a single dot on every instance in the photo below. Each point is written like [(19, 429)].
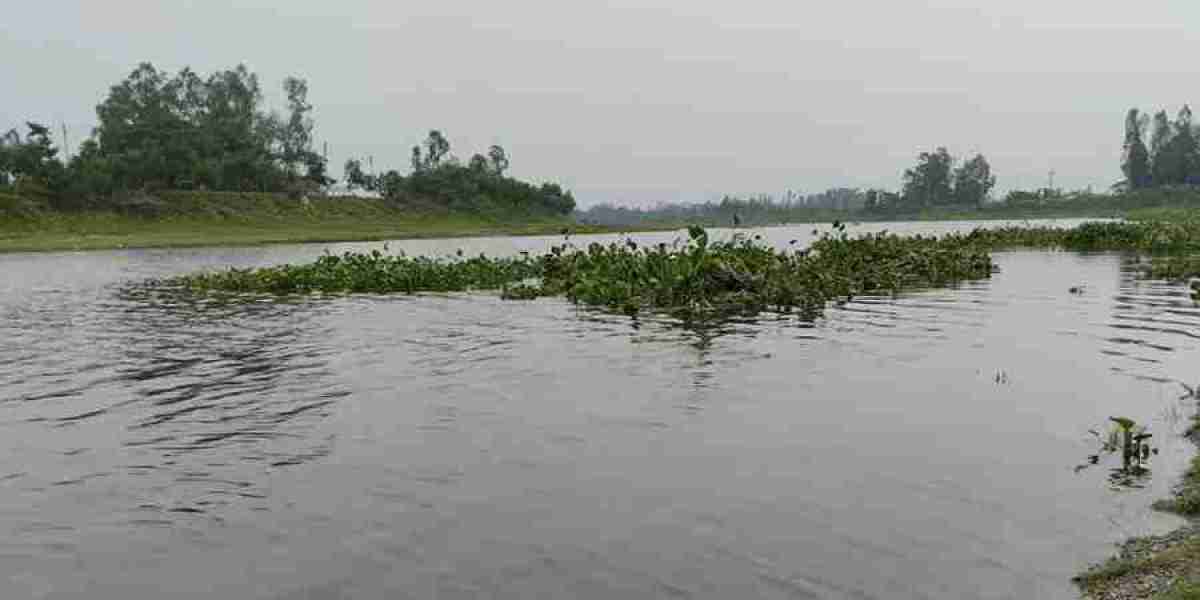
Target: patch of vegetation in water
[(1146, 236), (693, 277), (700, 277), (370, 272)]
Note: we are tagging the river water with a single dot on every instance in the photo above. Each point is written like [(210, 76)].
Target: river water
[(462, 446)]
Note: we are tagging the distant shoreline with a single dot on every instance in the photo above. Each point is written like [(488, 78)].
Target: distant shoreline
[(184, 219), (207, 219)]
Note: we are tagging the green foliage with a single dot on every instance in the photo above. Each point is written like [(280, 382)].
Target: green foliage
[(762, 210), (370, 272), (30, 164), (479, 187), (1186, 500), (185, 131), (1173, 158), (973, 181), (1182, 590), (935, 181), (700, 277), (694, 279), (1149, 236), (1135, 161), (929, 183), (160, 131)]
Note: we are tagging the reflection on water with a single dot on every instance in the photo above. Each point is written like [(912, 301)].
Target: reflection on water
[(460, 446)]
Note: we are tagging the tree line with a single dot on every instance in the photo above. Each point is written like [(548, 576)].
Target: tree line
[(1173, 156), (936, 180), (158, 131), (437, 177)]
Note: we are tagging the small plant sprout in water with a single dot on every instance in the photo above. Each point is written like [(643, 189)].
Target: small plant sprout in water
[(1132, 442)]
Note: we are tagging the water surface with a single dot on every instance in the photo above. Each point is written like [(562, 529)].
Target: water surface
[(461, 446)]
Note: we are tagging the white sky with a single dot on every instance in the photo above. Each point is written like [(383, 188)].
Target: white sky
[(641, 101)]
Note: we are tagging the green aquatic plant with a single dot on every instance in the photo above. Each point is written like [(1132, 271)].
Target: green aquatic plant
[(1132, 441), (1148, 236), (696, 277), (373, 272)]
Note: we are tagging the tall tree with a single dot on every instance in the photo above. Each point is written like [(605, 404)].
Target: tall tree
[(973, 181), (355, 177), (1184, 148), (9, 143), (1160, 140), (478, 164), (498, 159), (929, 182), (436, 149), (1135, 160), (418, 163), (297, 131)]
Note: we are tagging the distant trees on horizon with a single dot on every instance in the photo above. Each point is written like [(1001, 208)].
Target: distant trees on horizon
[(1173, 155), (185, 131)]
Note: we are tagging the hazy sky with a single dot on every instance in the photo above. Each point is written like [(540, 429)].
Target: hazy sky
[(640, 101)]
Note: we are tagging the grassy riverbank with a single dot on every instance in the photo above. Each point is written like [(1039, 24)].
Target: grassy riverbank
[(180, 219)]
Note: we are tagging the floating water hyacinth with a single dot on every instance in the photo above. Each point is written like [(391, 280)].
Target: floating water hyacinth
[(693, 277), (700, 277)]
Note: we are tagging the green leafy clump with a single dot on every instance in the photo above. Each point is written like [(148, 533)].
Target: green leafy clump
[(745, 276), (696, 277), (373, 272), (1148, 236), (699, 276)]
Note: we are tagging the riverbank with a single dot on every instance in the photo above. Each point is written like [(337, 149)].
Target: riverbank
[(195, 219)]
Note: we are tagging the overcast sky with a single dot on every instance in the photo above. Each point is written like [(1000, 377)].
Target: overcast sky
[(647, 100)]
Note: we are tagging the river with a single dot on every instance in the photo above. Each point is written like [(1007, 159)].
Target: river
[(462, 446)]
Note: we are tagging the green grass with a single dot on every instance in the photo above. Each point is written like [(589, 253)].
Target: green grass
[(1183, 590), (1186, 499), (1180, 562), (177, 219)]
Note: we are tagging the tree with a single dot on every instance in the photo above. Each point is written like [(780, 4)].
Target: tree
[(187, 131), (973, 181), (297, 131), (418, 163), (355, 177), (478, 164), (929, 182), (9, 143), (1183, 147), (1135, 162), (35, 158), (498, 159), (1160, 144), (316, 170), (436, 148)]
